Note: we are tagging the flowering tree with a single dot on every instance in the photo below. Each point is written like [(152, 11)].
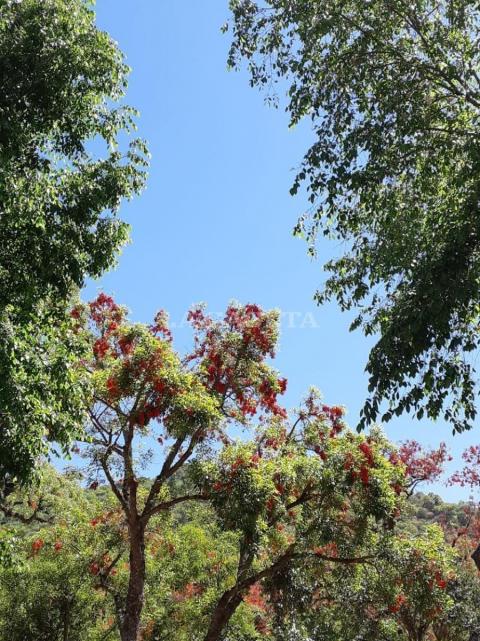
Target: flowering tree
[(43, 591), (142, 388), (422, 466), (420, 586), (413, 586), (400, 596), (470, 475), (305, 492)]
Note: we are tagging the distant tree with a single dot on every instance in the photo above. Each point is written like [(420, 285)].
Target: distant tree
[(62, 179), (44, 593), (392, 89), (418, 589), (470, 476)]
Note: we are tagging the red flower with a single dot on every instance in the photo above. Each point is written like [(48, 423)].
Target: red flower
[(320, 452), (112, 387), (125, 344), (440, 581), (367, 452), (58, 546), (255, 597), (364, 475), (100, 347), (399, 601), (255, 458), (261, 626), (248, 406), (329, 550), (221, 388), (280, 488), (37, 545), (397, 488), (270, 505)]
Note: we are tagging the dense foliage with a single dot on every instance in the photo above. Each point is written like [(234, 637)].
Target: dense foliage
[(62, 178), (392, 88), (65, 561)]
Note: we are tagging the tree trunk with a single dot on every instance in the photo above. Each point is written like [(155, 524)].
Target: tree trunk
[(222, 614), (476, 557), (66, 620), (130, 624)]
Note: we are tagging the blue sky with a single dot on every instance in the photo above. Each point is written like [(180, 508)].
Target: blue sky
[(215, 222)]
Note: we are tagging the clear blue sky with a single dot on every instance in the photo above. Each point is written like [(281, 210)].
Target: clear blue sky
[(216, 219)]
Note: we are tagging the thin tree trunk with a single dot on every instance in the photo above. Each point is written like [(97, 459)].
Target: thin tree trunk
[(130, 625), (66, 620)]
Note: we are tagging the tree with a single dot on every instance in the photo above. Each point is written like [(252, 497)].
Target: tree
[(140, 381), (392, 89), (44, 593), (299, 492), (470, 475), (395, 597), (62, 82)]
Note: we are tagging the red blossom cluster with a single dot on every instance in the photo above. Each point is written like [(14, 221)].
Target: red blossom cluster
[(103, 519), (37, 545), (328, 550), (400, 600), (274, 441), (190, 591), (470, 475), (315, 409), (255, 597), (366, 449), (196, 317), (105, 316), (262, 626), (231, 472), (232, 353), (160, 325), (102, 566), (421, 465), (268, 396), (438, 580), (362, 472)]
